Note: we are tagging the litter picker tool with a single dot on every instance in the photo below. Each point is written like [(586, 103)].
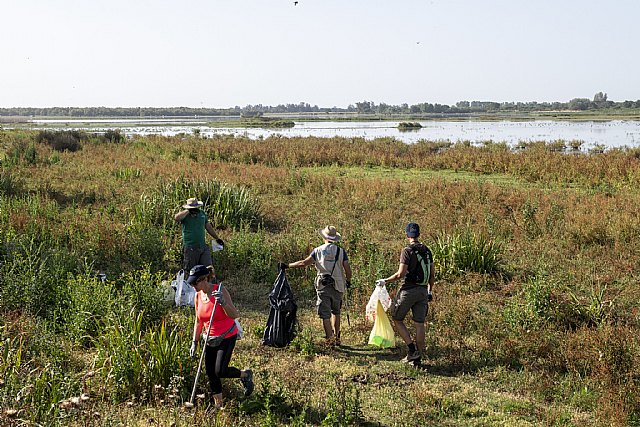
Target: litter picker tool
[(189, 404), (346, 306)]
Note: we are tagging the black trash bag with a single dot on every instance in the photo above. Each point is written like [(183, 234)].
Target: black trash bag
[(282, 323)]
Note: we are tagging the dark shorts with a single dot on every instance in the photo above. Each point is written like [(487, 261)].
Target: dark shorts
[(196, 256), (414, 299), (329, 302)]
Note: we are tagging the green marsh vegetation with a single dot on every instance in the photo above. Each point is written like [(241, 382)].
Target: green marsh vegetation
[(409, 126), (537, 251), (255, 122)]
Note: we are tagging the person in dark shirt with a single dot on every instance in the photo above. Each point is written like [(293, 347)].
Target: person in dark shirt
[(416, 270), (194, 224)]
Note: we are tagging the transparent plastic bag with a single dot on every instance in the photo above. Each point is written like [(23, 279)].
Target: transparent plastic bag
[(379, 294), (240, 330), (179, 284), (382, 334), (185, 293)]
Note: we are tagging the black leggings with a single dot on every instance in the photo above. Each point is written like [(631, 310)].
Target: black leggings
[(217, 360)]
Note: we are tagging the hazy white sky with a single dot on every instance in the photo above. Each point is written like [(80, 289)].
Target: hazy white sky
[(216, 53)]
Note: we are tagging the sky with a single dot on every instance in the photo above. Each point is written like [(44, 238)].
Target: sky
[(225, 53)]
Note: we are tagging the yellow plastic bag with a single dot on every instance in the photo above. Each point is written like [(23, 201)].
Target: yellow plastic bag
[(382, 334)]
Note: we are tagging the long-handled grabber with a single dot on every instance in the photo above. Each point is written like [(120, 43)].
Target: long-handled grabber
[(189, 404), (346, 307)]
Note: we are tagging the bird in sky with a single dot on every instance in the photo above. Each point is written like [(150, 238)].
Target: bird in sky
[(295, 3)]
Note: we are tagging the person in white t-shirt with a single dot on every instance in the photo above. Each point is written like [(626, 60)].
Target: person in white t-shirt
[(332, 279)]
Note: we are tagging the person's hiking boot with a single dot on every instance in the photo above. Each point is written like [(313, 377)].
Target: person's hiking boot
[(411, 356), (247, 382)]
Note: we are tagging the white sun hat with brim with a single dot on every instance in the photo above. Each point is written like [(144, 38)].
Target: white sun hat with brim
[(193, 203), (329, 233)]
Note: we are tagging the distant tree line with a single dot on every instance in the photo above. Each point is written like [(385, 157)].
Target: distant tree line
[(599, 102)]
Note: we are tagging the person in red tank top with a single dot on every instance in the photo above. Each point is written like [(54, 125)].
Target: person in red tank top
[(223, 331)]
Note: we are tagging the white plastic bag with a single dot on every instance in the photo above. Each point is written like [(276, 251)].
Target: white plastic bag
[(178, 286), (379, 294), (185, 294), (240, 330)]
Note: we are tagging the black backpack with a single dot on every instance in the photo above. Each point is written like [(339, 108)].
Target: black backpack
[(420, 275), (282, 323)]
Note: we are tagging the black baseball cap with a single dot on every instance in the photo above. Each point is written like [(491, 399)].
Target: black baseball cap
[(413, 230), (197, 272)]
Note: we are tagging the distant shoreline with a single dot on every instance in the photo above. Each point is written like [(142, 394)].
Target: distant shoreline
[(239, 121)]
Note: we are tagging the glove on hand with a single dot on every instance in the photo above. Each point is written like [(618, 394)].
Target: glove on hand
[(218, 296), (282, 266), (192, 350), (220, 242), (380, 282), (429, 297)]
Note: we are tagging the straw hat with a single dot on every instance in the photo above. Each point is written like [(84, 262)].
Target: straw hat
[(329, 233), (193, 203)]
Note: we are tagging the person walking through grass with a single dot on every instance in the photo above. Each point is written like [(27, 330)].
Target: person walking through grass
[(223, 331), (332, 279), (194, 223), (417, 271)]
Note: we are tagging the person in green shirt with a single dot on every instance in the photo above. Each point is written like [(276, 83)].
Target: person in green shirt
[(194, 224)]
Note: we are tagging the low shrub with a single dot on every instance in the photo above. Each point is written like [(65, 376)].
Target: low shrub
[(344, 405), (62, 140), (141, 291), (409, 125), (533, 306), (114, 136), (9, 184), (247, 253)]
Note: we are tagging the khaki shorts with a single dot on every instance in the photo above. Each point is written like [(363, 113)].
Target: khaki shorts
[(329, 302), (196, 256), (414, 299)]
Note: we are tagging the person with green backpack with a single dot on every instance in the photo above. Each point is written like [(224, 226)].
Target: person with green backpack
[(416, 270)]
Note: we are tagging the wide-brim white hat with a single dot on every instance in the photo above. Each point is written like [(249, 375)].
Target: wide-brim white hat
[(193, 203), (330, 233)]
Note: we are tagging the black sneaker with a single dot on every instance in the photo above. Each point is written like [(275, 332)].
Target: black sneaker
[(247, 382)]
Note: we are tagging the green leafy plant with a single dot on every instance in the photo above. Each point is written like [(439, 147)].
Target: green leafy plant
[(345, 407), (467, 252), (227, 205), (304, 343)]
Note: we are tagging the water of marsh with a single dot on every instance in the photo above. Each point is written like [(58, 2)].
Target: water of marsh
[(614, 133)]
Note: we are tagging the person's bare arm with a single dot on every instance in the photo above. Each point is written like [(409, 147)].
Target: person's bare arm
[(402, 271), (302, 263), (181, 215), (211, 230), (197, 325), (228, 306), (432, 277), (347, 270)]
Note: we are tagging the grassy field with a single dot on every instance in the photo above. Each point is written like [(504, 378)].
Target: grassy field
[(535, 319)]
